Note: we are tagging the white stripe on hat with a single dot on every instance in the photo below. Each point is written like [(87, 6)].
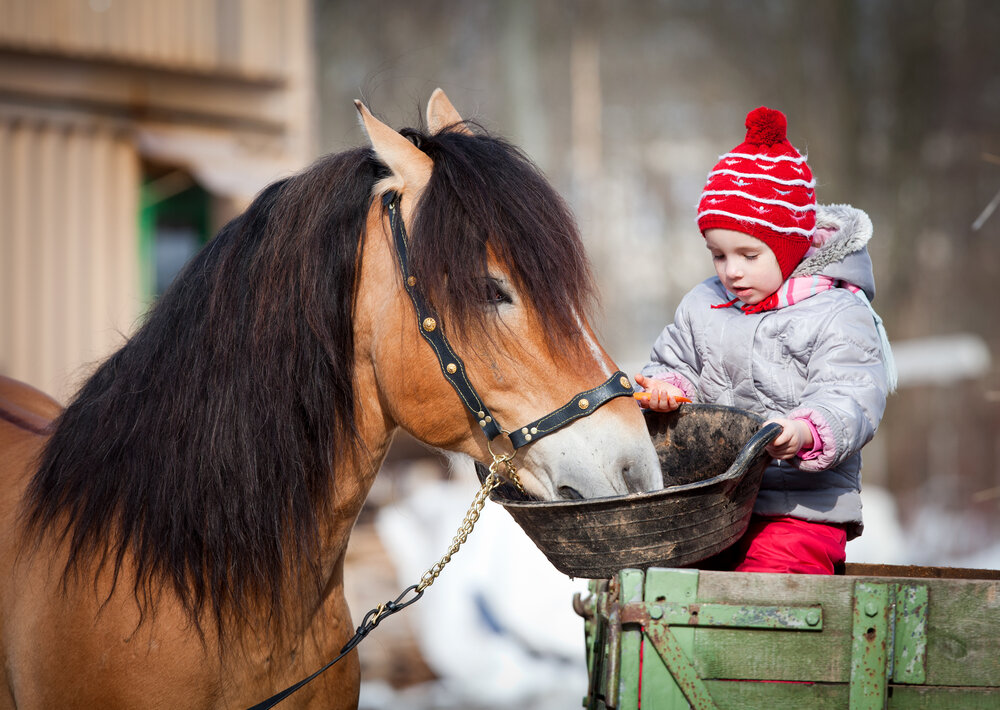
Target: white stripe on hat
[(762, 176), (772, 225), (755, 198), (763, 156)]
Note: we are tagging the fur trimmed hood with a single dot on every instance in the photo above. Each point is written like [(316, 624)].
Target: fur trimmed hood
[(842, 235)]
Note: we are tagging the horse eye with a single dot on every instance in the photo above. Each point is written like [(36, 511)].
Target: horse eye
[(494, 294)]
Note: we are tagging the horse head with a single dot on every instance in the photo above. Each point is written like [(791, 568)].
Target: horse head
[(497, 255)]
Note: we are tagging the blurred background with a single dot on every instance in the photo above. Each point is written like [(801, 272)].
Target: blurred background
[(131, 130)]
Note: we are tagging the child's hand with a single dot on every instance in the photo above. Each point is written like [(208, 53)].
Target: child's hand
[(795, 435), (663, 397)]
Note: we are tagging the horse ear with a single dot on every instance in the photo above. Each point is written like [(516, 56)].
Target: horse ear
[(411, 167), (442, 115)]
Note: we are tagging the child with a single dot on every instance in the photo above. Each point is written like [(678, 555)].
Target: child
[(785, 329)]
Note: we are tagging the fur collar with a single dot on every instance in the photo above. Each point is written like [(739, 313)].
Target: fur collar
[(847, 230)]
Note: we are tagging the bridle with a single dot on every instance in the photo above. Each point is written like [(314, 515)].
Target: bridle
[(430, 326)]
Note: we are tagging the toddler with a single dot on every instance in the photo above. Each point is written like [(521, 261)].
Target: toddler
[(784, 329)]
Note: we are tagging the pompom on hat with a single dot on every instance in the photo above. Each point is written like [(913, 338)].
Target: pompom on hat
[(763, 187)]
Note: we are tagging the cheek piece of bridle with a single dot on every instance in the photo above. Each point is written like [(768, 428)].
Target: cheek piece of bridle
[(453, 369)]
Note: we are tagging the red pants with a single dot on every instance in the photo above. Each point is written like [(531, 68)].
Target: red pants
[(785, 545)]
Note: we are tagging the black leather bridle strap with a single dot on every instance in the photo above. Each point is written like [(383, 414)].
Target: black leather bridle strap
[(431, 328), (582, 405)]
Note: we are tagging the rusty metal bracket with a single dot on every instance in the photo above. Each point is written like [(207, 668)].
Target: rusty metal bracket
[(889, 641), (734, 616), (683, 671), (870, 646)]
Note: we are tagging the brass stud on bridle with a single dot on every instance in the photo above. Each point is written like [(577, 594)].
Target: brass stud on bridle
[(583, 403), (429, 324), (452, 368)]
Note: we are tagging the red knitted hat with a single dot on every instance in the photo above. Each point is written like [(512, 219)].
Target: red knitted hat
[(763, 188)]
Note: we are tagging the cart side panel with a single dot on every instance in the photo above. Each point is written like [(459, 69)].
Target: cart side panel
[(743, 654), (963, 622)]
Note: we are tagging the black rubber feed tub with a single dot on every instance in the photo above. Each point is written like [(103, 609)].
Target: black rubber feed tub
[(712, 458)]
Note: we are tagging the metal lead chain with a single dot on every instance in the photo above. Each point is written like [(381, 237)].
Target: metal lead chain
[(471, 517)]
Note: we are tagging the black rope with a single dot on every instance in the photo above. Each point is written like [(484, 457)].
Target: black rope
[(371, 620)]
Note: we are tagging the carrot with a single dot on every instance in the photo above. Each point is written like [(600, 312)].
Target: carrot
[(644, 397)]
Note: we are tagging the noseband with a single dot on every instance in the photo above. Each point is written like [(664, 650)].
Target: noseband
[(453, 369)]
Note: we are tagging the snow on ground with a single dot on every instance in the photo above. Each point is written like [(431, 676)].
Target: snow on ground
[(936, 536), (497, 626), (883, 540)]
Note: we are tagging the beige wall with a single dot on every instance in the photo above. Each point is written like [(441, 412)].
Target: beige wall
[(221, 89), (244, 38), (68, 253)]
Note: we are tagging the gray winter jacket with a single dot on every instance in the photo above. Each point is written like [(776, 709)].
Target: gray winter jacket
[(820, 359)]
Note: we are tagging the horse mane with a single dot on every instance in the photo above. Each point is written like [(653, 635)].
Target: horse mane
[(204, 449), (513, 209)]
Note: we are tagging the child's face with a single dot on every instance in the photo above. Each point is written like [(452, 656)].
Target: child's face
[(745, 265)]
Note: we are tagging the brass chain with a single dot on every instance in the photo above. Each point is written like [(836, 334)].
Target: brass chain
[(472, 516)]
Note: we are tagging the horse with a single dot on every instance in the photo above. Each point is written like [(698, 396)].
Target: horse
[(175, 537)]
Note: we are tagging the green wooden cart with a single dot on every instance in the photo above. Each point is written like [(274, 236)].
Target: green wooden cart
[(875, 637)]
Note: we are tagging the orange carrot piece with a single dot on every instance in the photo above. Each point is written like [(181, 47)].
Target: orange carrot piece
[(644, 397)]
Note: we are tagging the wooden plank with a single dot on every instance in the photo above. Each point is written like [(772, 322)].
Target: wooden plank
[(777, 654), (963, 622), (913, 572), (913, 697), (739, 695)]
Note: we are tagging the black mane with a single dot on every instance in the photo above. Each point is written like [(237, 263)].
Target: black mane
[(205, 447), (484, 190)]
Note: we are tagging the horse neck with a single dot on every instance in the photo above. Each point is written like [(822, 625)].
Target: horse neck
[(354, 475)]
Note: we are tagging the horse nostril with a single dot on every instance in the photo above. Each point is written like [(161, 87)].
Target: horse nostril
[(637, 478), (629, 478), (569, 493)]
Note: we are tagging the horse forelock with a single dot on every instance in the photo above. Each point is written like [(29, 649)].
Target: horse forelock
[(486, 198), (204, 448)]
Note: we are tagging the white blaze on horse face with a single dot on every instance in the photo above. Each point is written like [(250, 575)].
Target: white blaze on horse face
[(595, 348)]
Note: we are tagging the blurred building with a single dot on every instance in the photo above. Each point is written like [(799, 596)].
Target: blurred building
[(129, 132)]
